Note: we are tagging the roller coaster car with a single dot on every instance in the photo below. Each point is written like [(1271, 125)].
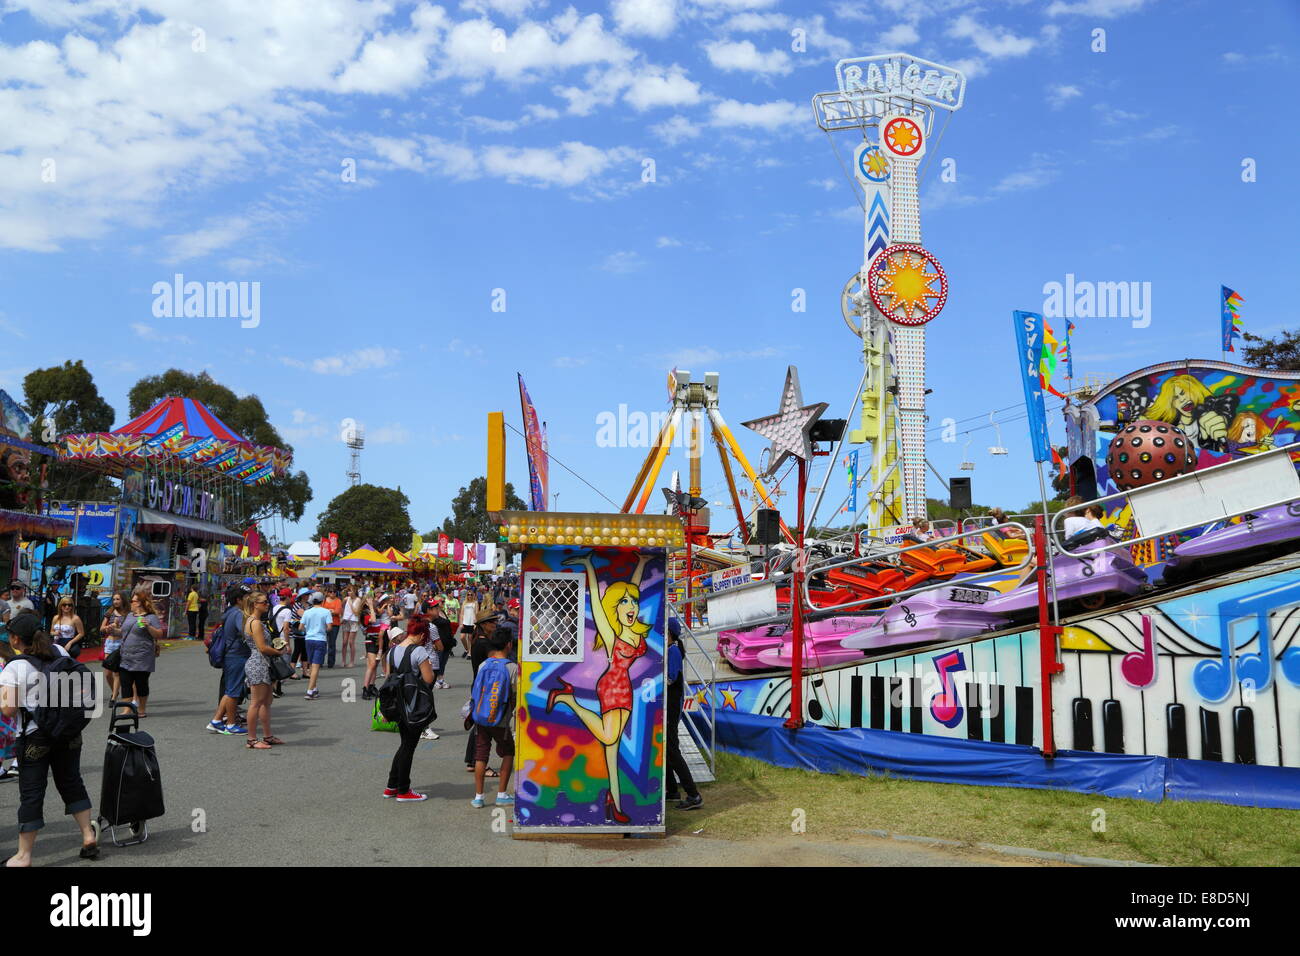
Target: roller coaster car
[(875, 578), (822, 597), (1256, 537), (769, 647), (945, 561), (1008, 552)]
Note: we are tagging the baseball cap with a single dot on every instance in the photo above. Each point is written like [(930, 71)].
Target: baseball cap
[(675, 628), (316, 598), (25, 625), (286, 593), (250, 581), (236, 593), (302, 591), (17, 584)]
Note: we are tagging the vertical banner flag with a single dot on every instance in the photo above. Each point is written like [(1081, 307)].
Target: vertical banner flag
[(1230, 307), (852, 463), (1069, 349), (334, 543), (444, 546), (536, 446), (458, 550), (1029, 355), (324, 549)]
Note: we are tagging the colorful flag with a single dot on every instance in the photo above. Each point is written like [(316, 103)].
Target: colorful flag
[(444, 546), (536, 446), (1029, 354), (1069, 351), (458, 550), (1047, 361), (253, 542), (334, 544), (1230, 308)]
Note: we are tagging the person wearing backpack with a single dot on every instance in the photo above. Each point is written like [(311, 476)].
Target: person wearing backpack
[(492, 701), (410, 665), (49, 737), (230, 653)]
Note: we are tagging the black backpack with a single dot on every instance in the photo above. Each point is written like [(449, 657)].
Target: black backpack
[(65, 698), (405, 697)]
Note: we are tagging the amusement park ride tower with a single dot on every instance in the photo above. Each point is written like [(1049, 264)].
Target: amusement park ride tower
[(891, 102)]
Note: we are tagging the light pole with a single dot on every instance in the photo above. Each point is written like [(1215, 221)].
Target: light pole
[(555, 501)]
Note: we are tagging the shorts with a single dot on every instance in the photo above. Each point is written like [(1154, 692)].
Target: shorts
[(374, 639), (134, 683), (232, 676), (466, 629), (484, 736), (316, 652), (349, 628)]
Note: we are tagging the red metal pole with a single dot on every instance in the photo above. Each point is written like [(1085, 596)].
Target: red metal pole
[(796, 612), (690, 567), (1048, 632)]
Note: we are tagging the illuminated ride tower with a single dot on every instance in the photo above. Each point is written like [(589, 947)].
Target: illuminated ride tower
[(891, 102)]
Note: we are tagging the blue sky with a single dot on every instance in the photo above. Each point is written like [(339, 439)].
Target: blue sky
[(517, 165)]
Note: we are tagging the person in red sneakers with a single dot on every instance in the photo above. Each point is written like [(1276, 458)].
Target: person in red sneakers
[(421, 661)]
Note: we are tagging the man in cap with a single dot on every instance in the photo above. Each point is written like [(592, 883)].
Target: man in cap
[(316, 622), (17, 602), (235, 657)]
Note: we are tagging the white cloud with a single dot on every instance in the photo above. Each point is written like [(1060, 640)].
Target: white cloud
[(743, 55), (1040, 171), (667, 242), (569, 361), (391, 434), (662, 89), (475, 48), (652, 18), (1058, 95), (623, 262), (396, 61), (768, 116), (154, 334), (900, 35), (195, 245), (675, 129), (361, 360), (995, 42), (756, 22), (1095, 8), (568, 165)]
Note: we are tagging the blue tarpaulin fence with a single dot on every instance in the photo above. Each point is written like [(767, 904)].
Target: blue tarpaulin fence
[(867, 752)]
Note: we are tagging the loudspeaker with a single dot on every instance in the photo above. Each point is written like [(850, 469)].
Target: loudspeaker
[(959, 493), (767, 526)]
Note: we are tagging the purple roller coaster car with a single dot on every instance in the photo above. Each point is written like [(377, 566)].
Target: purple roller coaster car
[(1258, 535)]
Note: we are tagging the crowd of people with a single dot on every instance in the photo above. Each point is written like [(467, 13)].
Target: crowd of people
[(268, 636)]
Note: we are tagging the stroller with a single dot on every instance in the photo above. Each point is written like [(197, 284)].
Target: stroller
[(132, 790)]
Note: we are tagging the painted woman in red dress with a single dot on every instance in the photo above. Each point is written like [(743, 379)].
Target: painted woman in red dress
[(621, 634)]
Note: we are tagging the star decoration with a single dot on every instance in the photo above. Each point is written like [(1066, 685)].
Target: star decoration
[(902, 136), (729, 695), (789, 429), (902, 281)]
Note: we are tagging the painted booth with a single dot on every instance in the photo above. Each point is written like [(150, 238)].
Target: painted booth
[(590, 747)]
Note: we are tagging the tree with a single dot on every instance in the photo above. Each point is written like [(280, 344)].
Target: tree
[(469, 520), (1061, 481), (63, 400), (368, 514), (285, 495), (1280, 354)]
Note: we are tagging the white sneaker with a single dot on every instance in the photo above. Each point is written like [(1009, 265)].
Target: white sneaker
[(428, 735)]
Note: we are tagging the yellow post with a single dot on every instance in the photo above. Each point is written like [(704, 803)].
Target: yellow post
[(496, 462)]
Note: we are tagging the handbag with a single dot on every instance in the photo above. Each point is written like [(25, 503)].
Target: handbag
[(279, 667), (379, 722), (113, 662)]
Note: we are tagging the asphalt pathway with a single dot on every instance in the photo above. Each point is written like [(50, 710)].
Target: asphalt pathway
[(316, 801)]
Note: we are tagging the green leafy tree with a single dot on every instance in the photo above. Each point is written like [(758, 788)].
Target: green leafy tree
[(469, 518), (1280, 354), (285, 495), (62, 400), (367, 514)]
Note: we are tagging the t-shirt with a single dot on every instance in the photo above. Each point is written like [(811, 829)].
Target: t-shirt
[(26, 676), (232, 632), (17, 607), (350, 609), (443, 627), (419, 654), (335, 607), (279, 616), (192, 601), (1075, 524), (409, 601), (138, 652), (316, 621)]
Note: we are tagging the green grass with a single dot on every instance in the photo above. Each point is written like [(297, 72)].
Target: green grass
[(752, 801)]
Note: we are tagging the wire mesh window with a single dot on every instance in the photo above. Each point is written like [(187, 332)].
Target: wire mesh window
[(554, 614)]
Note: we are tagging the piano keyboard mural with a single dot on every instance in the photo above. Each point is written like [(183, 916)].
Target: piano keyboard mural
[(1212, 675)]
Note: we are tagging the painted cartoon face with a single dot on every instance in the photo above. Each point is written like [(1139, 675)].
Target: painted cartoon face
[(627, 609), (1248, 431), (1183, 402)]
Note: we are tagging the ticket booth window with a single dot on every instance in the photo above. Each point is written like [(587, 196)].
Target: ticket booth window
[(553, 615)]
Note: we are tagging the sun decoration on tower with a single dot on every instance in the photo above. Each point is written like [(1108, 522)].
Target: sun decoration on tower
[(902, 136), (907, 284)]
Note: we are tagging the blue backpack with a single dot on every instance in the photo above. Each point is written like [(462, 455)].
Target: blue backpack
[(491, 693)]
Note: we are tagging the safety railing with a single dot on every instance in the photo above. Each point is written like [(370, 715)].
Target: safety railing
[(890, 597), (1058, 520), (688, 660)]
